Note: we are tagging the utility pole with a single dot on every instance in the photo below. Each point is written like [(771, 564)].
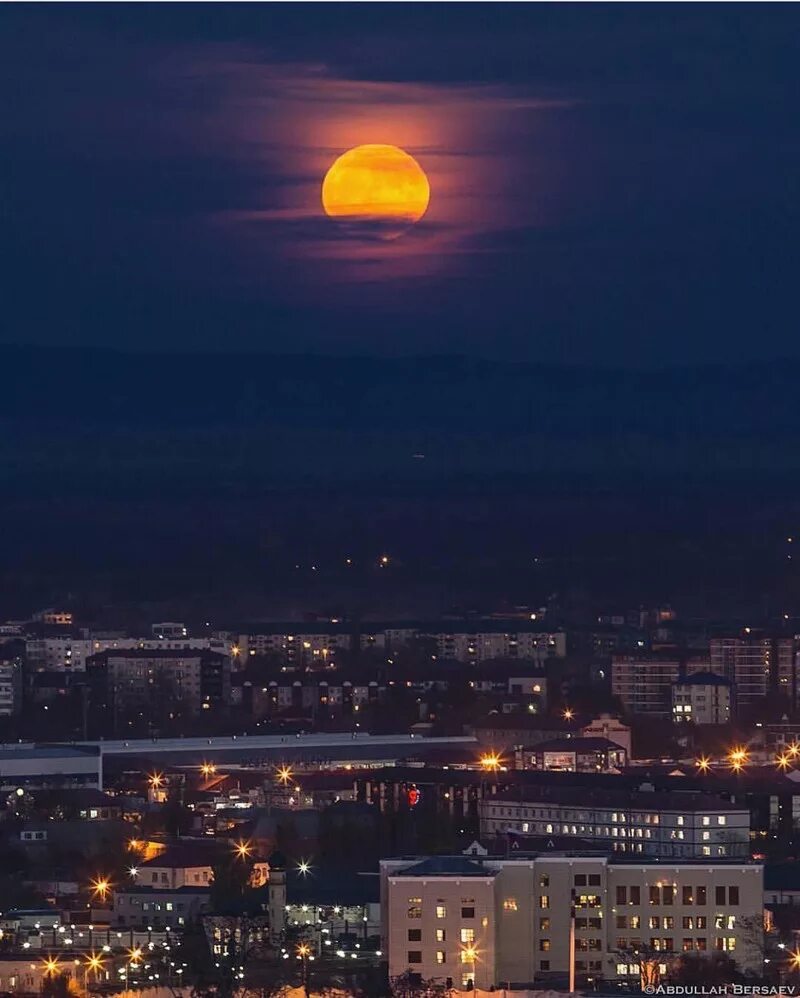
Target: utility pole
[(572, 944)]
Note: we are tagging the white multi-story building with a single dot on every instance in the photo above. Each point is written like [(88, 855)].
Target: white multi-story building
[(487, 922), (702, 698), (10, 681), (641, 823), (63, 653)]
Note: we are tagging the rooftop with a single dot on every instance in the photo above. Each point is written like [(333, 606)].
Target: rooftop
[(447, 866), (577, 745), (645, 800), (703, 679)]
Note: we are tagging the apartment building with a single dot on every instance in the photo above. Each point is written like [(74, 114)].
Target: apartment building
[(201, 679), (486, 922), (10, 679), (702, 698), (644, 682), (310, 695), (638, 823), (756, 664), (70, 652), (319, 643)]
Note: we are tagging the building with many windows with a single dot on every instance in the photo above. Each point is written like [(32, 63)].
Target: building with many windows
[(319, 643), (643, 823), (755, 665), (10, 679), (505, 923), (198, 679), (702, 698), (644, 682)]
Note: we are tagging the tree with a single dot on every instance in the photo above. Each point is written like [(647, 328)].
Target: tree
[(648, 959), (56, 986), (697, 969), (411, 985), (177, 818)]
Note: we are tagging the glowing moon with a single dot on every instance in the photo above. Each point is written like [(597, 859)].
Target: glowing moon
[(376, 184)]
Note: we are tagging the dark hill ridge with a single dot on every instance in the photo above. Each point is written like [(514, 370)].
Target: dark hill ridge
[(154, 476)]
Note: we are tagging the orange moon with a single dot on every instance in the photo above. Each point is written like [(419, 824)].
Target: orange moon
[(378, 184)]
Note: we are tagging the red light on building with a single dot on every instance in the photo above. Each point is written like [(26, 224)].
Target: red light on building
[(412, 796)]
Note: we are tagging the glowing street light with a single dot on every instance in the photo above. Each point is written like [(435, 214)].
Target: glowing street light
[(794, 960), (703, 764), (569, 713), (284, 774), (304, 867), (208, 769), (133, 871), (51, 966), (783, 761), (793, 749), (101, 888), (468, 954), (738, 757), (156, 780), (94, 963), (134, 956), (491, 761), (243, 849)]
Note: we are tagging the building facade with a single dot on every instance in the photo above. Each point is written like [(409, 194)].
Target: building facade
[(500, 923), (644, 823), (201, 680), (644, 682), (702, 698)]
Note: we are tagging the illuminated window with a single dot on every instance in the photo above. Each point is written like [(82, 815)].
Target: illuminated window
[(440, 935), (440, 956), (467, 935), (544, 901), (441, 910), (415, 907), (510, 904)]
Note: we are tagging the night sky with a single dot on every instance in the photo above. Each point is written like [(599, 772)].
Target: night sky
[(610, 184)]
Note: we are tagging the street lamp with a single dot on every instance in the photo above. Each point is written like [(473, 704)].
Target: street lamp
[(51, 966), (703, 764), (303, 952), (737, 757), (491, 761), (468, 957), (101, 888), (94, 963), (243, 849)]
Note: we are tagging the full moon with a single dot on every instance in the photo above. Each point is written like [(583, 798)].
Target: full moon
[(376, 184)]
